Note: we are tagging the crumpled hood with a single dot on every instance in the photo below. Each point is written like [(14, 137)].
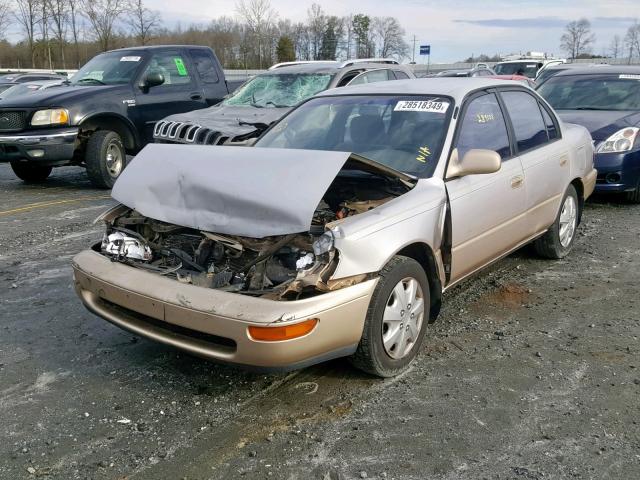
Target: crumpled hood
[(228, 119), (601, 123), (251, 192)]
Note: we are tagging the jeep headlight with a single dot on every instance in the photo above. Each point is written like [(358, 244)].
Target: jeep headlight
[(54, 116), (324, 243), (621, 141)]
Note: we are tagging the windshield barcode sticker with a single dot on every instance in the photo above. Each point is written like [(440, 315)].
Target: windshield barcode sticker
[(429, 106), (130, 59), (630, 77)]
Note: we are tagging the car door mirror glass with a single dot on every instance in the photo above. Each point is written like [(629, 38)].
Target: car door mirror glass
[(153, 79), (475, 161)]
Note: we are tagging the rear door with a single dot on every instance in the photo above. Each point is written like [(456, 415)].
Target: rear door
[(487, 209), (210, 74), (544, 157), (179, 93)]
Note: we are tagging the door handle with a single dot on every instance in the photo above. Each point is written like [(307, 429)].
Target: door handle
[(195, 96), (517, 181)]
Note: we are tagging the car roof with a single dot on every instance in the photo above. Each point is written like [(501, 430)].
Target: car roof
[(600, 69), (333, 67), (157, 47), (457, 88)]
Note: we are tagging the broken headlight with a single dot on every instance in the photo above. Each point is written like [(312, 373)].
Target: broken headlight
[(123, 246), (324, 243)]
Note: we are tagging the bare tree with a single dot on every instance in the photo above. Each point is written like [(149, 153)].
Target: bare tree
[(102, 15), (5, 11), (317, 23), (74, 23), (390, 37), (259, 17), (577, 38), (44, 31), (632, 41), (144, 22), (615, 49), (26, 14), (58, 13)]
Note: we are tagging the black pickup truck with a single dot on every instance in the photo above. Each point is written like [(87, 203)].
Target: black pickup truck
[(107, 110)]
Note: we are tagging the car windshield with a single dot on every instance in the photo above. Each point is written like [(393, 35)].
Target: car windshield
[(108, 69), (279, 89), (547, 73), (403, 132), (528, 69), (593, 92), (17, 90)]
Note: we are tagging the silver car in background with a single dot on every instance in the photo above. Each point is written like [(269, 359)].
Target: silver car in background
[(339, 232)]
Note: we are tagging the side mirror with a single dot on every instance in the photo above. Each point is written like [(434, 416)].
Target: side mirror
[(153, 79), (475, 161)]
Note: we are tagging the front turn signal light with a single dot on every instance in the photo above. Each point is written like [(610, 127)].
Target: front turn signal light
[(285, 332)]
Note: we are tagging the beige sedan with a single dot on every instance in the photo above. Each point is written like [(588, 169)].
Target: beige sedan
[(337, 234)]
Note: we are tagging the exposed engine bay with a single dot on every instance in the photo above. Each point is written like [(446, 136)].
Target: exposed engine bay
[(283, 267)]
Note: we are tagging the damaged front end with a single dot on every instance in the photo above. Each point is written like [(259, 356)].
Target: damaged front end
[(260, 238)]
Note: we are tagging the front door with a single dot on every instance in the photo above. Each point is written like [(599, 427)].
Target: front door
[(486, 209), (179, 93)]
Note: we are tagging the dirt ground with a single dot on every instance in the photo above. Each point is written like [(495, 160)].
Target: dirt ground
[(531, 372)]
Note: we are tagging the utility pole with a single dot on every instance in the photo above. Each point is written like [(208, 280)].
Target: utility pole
[(413, 55)]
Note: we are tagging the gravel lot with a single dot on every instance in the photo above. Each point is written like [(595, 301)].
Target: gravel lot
[(532, 372)]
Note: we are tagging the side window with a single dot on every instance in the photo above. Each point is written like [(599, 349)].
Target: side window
[(204, 65), (400, 75), (527, 121), (348, 77), (483, 126), (371, 77), (172, 66), (552, 130)]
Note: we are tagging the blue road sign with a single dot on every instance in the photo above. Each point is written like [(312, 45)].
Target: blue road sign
[(425, 49)]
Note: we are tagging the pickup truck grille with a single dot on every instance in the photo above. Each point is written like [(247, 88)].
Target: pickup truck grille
[(12, 120), (181, 132)]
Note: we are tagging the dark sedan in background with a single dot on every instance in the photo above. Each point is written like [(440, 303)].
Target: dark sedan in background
[(605, 100)]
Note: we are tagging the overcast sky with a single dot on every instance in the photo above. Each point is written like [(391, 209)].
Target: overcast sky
[(455, 29)]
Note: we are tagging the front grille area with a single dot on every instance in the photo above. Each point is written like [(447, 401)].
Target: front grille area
[(12, 120), (180, 132)]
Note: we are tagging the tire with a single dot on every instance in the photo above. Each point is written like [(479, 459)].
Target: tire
[(31, 173), (105, 158), (558, 240), (391, 356), (633, 196)]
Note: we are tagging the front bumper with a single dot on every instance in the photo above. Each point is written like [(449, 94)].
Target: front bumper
[(42, 146), (617, 172), (213, 323)]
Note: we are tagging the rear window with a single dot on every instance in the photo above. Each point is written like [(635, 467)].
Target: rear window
[(205, 66), (593, 92), (526, 118)]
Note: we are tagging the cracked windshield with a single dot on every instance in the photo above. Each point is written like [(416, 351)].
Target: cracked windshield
[(280, 90)]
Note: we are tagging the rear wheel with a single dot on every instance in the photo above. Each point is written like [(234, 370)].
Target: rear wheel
[(558, 240), (29, 172), (105, 158), (396, 319)]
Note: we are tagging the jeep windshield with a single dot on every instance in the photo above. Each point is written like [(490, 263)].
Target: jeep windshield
[(405, 133), (113, 68), (279, 90)]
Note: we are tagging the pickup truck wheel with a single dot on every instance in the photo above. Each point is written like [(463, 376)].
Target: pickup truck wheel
[(396, 319), (558, 240), (29, 172), (105, 158)]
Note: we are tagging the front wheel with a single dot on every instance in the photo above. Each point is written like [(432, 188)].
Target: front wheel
[(105, 158), (558, 240), (396, 319), (29, 172)]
